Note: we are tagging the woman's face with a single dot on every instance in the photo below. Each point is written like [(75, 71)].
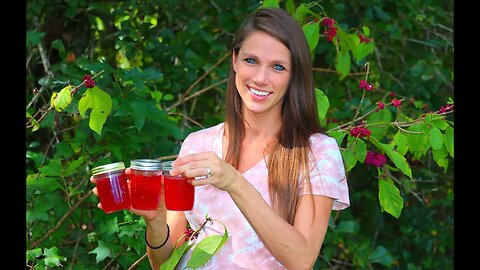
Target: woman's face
[(263, 69)]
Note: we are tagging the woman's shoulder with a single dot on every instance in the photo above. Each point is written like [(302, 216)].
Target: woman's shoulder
[(323, 143), (322, 139), (206, 133)]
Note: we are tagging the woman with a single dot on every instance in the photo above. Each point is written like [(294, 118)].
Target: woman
[(272, 178)]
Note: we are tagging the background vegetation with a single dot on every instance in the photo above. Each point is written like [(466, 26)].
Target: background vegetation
[(164, 66)]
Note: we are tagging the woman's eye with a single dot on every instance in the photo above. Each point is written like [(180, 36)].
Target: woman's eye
[(278, 67), (250, 60)]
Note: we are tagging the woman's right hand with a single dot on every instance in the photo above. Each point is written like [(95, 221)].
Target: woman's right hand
[(149, 215)]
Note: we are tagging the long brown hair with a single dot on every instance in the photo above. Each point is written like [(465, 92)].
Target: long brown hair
[(288, 160)]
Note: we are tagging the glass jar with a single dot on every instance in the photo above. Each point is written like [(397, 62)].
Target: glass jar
[(145, 183), (112, 186), (179, 193)]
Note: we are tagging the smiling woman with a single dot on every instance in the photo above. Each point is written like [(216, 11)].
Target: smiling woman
[(267, 173), (274, 177)]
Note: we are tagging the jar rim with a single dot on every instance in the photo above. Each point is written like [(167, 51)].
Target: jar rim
[(146, 164), (108, 168)]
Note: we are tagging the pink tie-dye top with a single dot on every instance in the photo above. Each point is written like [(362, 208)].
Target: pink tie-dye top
[(243, 249)]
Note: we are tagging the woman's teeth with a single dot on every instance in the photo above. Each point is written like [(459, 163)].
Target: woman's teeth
[(258, 93)]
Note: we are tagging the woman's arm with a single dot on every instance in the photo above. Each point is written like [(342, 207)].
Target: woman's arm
[(297, 246), (156, 231)]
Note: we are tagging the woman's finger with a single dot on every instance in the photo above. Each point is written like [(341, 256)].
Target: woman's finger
[(95, 191)]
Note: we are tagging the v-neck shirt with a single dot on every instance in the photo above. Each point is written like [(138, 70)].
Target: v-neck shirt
[(243, 248)]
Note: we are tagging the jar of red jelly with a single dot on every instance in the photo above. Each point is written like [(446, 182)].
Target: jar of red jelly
[(112, 187), (179, 193), (145, 183)]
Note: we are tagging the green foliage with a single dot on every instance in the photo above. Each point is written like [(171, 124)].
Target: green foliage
[(161, 69)]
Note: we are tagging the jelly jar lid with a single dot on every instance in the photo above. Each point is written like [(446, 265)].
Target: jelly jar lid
[(146, 164), (108, 168), (167, 165)]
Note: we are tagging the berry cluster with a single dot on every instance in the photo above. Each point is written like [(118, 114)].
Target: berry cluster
[(380, 106), (360, 132), (363, 84), (89, 82), (330, 31), (189, 233), (363, 39), (375, 159), (446, 108), (396, 103)]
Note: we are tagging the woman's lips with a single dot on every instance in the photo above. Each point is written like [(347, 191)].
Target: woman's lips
[(258, 93)]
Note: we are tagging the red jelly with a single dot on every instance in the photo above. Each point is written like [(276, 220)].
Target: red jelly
[(145, 183), (179, 194), (112, 187)]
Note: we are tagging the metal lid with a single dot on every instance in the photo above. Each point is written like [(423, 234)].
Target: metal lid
[(146, 164), (108, 168), (167, 165)]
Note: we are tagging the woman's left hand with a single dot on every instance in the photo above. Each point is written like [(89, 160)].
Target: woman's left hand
[(216, 171)]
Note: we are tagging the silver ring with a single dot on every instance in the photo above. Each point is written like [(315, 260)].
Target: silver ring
[(209, 173)]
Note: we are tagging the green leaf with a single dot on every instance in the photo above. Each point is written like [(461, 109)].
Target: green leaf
[(270, 3), (382, 116), (52, 258), (34, 38), (322, 103), (349, 155), (361, 50), (290, 7), (440, 157), (42, 183), (54, 168), (389, 196), (440, 124), (435, 138), (101, 104), (175, 257), (109, 227), (312, 34), (61, 100), (204, 250), (448, 139), (338, 135), (32, 254), (300, 13), (366, 31), (415, 140), (380, 255), (360, 149), (342, 63), (349, 226), (400, 140), (102, 251), (72, 166)]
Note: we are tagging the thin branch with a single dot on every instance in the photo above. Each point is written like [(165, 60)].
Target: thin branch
[(116, 257), (135, 264), (187, 117), (69, 212), (182, 97)]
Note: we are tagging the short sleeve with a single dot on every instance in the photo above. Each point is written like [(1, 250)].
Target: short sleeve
[(187, 146), (327, 171)]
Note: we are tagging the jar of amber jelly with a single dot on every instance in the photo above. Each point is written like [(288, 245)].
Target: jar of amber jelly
[(145, 183), (179, 193), (112, 187)]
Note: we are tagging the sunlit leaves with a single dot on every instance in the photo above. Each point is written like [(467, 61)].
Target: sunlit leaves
[(61, 100), (101, 104)]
